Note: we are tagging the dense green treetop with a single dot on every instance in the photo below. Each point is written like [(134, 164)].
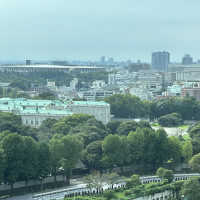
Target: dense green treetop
[(168, 175), (136, 144), (113, 125), (126, 106), (187, 151), (134, 181), (170, 120), (112, 151), (71, 154), (191, 188), (56, 148), (194, 163), (40, 78), (160, 172), (12, 145), (44, 159), (92, 155), (2, 165), (30, 161), (126, 127), (175, 150)]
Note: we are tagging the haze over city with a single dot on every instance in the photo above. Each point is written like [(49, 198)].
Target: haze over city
[(86, 30)]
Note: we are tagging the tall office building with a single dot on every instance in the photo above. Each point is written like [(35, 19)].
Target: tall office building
[(103, 59), (110, 61), (28, 62), (160, 61), (187, 60)]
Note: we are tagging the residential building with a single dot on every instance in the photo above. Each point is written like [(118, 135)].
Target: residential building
[(191, 91), (135, 67), (187, 60), (160, 61), (122, 78), (174, 90), (180, 68), (111, 79), (73, 84), (93, 95), (141, 93), (98, 84), (153, 79)]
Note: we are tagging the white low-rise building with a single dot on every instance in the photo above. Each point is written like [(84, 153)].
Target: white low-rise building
[(174, 89), (141, 93), (33, 112), (93, 95), (100, 109)]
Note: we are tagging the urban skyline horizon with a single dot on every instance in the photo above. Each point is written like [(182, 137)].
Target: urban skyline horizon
[(96, 59), (82, 30)]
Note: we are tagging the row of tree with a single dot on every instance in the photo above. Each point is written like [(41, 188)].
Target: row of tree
[(128, 106), (22, 158), (23, 81), (144, 146)]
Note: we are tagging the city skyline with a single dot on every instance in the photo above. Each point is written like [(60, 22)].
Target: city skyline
[(87, 30)]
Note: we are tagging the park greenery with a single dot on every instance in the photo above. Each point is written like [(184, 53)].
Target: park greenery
[(170, 120), (24, 81), (128, 106), (58, 145), (27, 153)]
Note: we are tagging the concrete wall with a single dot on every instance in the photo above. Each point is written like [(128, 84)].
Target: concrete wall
[(33, 185), (158, 196)]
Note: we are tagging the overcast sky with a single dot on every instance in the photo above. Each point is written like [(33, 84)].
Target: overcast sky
[(89, 29)]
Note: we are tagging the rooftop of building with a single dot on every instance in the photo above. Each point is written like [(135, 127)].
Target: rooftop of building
[(39, 107), (89, 103), (45, 103), (53, 66)]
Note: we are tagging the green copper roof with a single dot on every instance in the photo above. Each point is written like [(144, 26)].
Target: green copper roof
[(99, 103), (32, 106)]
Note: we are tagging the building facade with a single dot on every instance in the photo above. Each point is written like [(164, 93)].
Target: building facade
[(33, 112), (191, 92)]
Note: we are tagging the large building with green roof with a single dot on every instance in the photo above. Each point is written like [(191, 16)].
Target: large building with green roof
[(33, 112)]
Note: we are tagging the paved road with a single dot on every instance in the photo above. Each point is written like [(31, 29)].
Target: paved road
[(173, 131), (76, 185), (60, 193)]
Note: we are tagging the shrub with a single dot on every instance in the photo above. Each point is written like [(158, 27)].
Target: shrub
[(109, 194), (127, 192), (134, 181), (170, 120)]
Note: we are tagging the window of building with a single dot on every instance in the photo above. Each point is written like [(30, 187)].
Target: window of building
[(32, 122), (26, 121)]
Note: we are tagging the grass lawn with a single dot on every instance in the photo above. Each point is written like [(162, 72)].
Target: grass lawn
[(186, 137), (184, 126), (155, 125)]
